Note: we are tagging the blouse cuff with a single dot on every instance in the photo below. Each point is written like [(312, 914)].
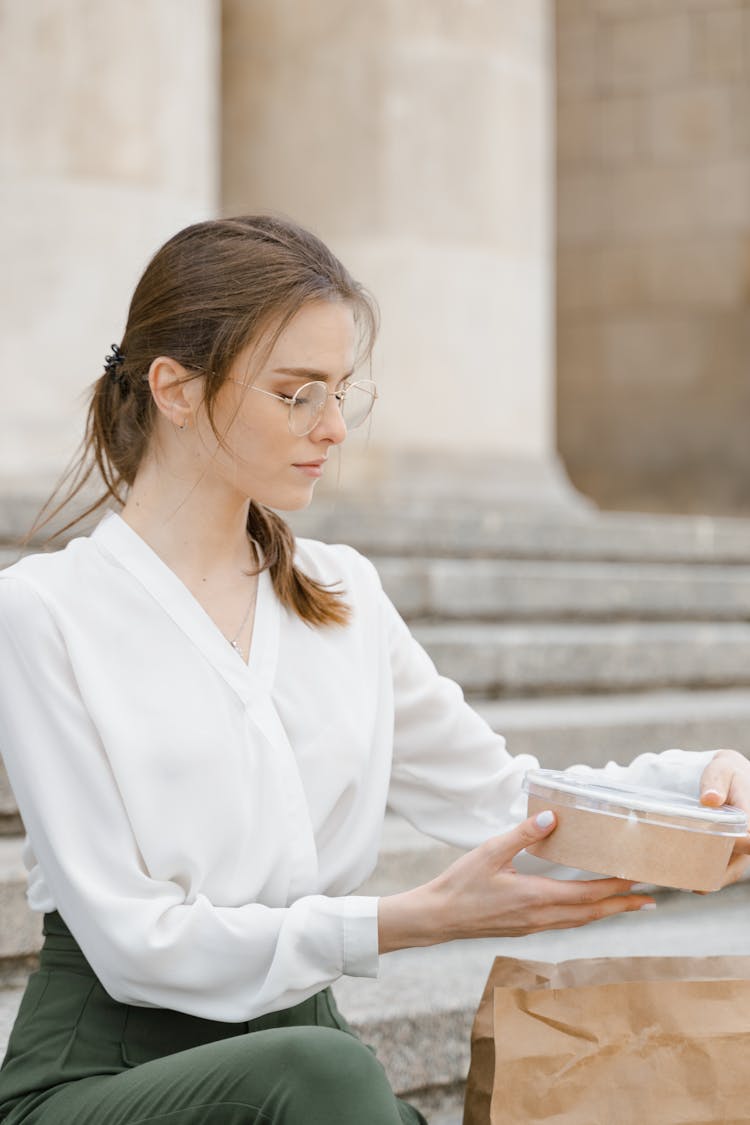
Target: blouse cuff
[(361, 949)]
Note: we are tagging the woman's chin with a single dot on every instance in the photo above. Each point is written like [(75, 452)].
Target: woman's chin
[(291, 502)]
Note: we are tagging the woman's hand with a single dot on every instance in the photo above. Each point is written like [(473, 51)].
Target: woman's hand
[(482, 895), (726, 781)]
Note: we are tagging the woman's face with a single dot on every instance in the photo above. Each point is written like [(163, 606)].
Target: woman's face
[(264, 460)]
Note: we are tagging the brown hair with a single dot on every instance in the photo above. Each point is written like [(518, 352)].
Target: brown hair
[(212, 289)]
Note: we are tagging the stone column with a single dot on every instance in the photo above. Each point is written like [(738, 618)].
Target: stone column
[(654, 253), (417, 139), (108, 144)]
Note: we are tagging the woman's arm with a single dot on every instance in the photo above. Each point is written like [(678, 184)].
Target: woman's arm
[(481, 895), (453, 776), (454, 779)]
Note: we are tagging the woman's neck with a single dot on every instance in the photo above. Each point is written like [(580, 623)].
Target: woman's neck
[(198, 536)]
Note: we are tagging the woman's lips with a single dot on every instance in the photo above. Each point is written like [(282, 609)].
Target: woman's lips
[(312, 469)]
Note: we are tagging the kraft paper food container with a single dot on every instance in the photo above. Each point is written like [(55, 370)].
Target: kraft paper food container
[(647, 835)]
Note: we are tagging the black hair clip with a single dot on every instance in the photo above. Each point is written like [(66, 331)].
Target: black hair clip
[(112, 364)]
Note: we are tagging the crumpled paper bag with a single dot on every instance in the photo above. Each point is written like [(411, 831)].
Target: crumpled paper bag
[(612, 1041)]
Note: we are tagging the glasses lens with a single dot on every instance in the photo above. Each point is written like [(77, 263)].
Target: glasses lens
[(309, 404), (358, 402)]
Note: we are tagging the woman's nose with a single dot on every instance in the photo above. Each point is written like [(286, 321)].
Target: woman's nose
[(331, 425)]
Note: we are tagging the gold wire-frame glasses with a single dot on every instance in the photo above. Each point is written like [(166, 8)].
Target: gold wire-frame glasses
[(308, 402)]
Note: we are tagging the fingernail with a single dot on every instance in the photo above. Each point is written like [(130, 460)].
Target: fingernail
[(711, 793), (648, 906), (544, 819)]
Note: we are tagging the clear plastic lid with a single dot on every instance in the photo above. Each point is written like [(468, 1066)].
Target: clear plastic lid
[(660, 806)]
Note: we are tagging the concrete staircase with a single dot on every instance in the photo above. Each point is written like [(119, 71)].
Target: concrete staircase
[(582, 638)]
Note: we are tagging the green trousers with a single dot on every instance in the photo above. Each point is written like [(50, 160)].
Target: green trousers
[(78, 1057)]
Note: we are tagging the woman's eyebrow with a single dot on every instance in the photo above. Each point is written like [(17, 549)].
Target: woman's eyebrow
[(310, 373)]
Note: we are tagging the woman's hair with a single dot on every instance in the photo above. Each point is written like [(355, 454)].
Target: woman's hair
[(210, 291)]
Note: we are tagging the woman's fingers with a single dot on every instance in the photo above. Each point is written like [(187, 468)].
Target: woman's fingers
[(614, 904), (578, 902), (514, 904), (590, 890), (738, 868), (583, 915), (717, 778), (591, 897), (504, 848), (726, 779)]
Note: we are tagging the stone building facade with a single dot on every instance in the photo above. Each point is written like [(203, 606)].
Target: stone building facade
[(419, 140)]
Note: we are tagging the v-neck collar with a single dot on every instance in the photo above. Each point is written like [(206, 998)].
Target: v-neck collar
[(118, 539)]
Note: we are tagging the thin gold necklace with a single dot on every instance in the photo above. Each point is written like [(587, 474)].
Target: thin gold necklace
[(234, 642)]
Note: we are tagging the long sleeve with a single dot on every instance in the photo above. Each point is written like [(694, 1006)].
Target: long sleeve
[(453, 776), (148, 941)]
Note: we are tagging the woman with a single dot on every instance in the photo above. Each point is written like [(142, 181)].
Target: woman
[(202, 722)]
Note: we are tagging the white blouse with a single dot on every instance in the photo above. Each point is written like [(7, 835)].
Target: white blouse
[(200, 823)]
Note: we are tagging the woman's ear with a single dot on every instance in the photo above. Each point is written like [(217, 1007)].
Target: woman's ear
[(175, 392)]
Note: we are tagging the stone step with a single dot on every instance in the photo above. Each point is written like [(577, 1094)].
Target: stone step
[(537, 658), (10, 998), (693, 542), (498, 590), (20, 928), (421, 526), (592, 730), (419, 529), (9, 820), (418, 1013)]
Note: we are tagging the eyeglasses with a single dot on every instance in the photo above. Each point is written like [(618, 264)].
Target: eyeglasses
[(307, 404)]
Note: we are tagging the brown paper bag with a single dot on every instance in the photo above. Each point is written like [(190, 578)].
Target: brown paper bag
[(612, 1041)]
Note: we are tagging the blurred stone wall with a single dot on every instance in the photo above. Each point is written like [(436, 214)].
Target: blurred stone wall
[(108, 145), (653, 118)]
